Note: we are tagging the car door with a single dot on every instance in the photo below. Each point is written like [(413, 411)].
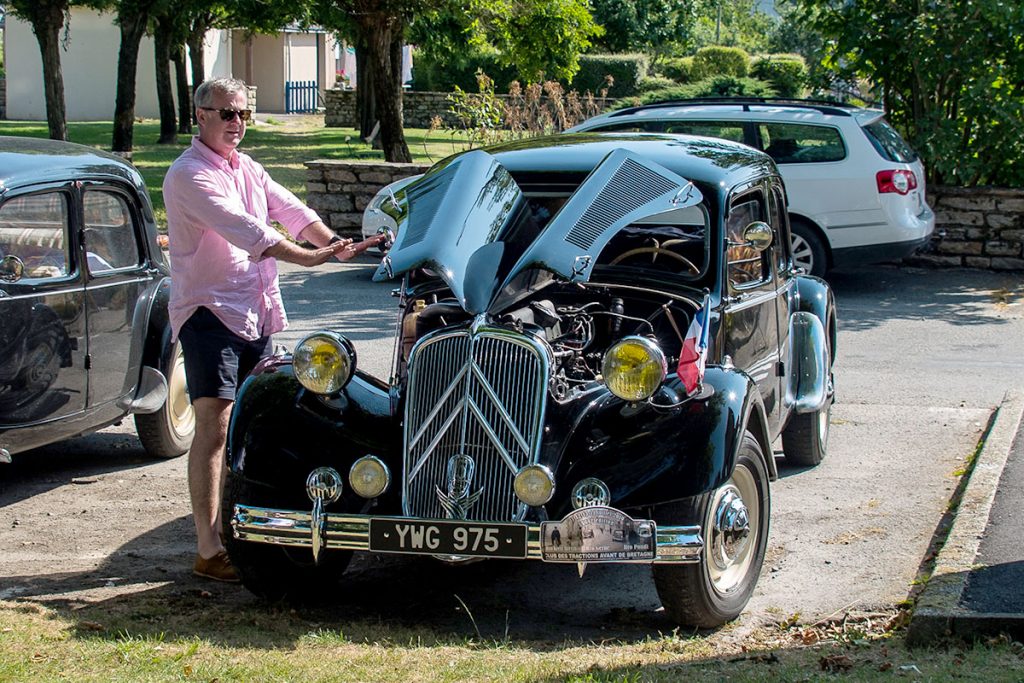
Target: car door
[(749, 317), (42, 309), (117, 276)]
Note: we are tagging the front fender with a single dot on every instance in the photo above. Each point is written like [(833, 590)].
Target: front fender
[(649, 456), (280, 432)]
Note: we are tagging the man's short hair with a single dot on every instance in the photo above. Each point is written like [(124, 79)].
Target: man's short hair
[(217, 86)]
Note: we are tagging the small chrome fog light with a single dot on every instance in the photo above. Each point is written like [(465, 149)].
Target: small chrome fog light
[(535, 484), (323, 484), (369, 476), (590, 491)]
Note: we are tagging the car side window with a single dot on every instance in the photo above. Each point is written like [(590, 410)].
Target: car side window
[(744, 263), (726, 130), (34, 228), (793, 143), (631, 127), (110, 241)]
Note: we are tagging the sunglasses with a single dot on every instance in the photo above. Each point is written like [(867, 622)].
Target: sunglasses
[(230, 114)]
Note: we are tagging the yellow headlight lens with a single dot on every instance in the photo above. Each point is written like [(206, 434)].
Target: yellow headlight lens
[(323, 362), (633, 368)]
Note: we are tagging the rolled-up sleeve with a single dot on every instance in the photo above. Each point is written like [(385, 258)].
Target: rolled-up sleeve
[(204, 202), (285, 208)]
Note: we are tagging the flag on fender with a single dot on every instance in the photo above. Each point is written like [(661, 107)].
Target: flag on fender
[(695, 349)]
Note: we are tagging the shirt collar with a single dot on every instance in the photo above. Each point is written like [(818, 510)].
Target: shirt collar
[(212, 157)]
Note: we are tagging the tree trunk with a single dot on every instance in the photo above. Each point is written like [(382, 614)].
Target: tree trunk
[(383, 36), (366, 93), (132, 29), (164, 91), (184, 93), (46, 24), (196, 58)]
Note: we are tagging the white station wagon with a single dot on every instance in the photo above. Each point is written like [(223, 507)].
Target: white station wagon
[(856, 189)]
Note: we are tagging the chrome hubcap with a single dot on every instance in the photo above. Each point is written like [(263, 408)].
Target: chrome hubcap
[(733, 529)]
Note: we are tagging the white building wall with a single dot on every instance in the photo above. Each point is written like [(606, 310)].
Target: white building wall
[(89, 67)]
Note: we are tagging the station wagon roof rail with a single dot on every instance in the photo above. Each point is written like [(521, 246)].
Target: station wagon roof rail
[(823, 106)]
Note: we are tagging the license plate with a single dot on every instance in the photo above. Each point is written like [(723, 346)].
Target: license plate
[(436, 537)]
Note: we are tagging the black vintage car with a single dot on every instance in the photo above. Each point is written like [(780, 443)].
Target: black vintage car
[(599, 340), (84, 334)]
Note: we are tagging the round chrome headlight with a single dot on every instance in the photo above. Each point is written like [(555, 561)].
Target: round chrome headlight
[(633, 368), (369, 476), (323, 362), (534, 485)]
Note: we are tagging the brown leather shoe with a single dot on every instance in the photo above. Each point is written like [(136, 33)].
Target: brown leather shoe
[(217, 568)]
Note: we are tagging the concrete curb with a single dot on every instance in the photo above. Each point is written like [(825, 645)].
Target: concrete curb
[(939, 611)]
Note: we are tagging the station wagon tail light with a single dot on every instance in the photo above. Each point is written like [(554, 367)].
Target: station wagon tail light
[(633, 368), (324, 362), (898, 181)]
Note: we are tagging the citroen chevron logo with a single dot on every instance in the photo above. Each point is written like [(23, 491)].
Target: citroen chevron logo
[(458, 500)]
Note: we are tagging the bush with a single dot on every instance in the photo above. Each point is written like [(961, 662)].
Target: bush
[(679, 69), (718, 86), (720, 61), (435, 76), (787, 73), (652, 83), (626, 71)]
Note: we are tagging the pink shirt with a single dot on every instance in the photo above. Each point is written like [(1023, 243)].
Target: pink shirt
[(218, 213)]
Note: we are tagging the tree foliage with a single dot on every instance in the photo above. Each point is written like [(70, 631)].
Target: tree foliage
[(651, 26), (949, 72)]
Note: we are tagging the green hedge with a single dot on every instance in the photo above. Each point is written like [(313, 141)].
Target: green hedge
[(786, 72), (429, 75), (716, 60), (625, 69), (652, 83), (718, 86), (679, 69)]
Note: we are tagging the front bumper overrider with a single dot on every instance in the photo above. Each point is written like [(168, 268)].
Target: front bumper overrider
[(337, 531)]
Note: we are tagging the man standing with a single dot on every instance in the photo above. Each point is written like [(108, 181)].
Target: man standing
[(225, 300)]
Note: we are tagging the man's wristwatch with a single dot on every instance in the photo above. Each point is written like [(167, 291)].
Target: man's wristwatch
[(335, 240)]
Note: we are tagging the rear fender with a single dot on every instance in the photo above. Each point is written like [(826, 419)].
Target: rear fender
[(280, 432), (649, 456)]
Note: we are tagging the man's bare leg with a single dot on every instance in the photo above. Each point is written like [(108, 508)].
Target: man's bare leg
[(206, 471)]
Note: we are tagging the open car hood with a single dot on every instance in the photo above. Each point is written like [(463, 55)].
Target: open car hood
[(455, 220)]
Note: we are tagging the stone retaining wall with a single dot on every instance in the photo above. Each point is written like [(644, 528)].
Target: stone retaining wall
[(418, 108), (340, 190), (975, 227)]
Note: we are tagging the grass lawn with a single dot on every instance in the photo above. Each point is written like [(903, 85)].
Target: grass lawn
[(281, 144)]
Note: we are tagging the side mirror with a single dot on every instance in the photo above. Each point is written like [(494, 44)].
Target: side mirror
[(12, 269), (758, 235)]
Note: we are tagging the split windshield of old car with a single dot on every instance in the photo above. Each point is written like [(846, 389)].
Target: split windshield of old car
[(33, 229)]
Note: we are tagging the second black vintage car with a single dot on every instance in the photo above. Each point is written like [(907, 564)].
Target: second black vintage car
[(600, 338), (84, 334)]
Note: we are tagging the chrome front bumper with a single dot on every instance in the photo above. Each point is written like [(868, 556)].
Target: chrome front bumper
[(674, 544)]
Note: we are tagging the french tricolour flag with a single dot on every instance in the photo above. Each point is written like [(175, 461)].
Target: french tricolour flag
[(695, 349)]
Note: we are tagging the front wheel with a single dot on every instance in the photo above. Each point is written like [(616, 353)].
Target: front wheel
[(276, 572), (734, 524), (168, 432)]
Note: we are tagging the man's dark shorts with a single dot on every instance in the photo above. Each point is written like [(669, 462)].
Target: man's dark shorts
[(216, 359)]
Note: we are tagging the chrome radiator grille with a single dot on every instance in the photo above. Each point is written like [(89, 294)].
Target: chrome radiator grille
[(472, 419)]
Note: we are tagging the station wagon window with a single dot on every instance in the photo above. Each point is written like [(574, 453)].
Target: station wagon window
[(34, 228), (110, 241), (726, 130), (793, 143), (745, 264)]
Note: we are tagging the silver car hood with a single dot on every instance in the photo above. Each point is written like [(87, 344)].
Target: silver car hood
[(455, 218)]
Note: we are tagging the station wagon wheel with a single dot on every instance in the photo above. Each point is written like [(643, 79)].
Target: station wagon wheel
[(808, 250), (168, 432), (734, 524)]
